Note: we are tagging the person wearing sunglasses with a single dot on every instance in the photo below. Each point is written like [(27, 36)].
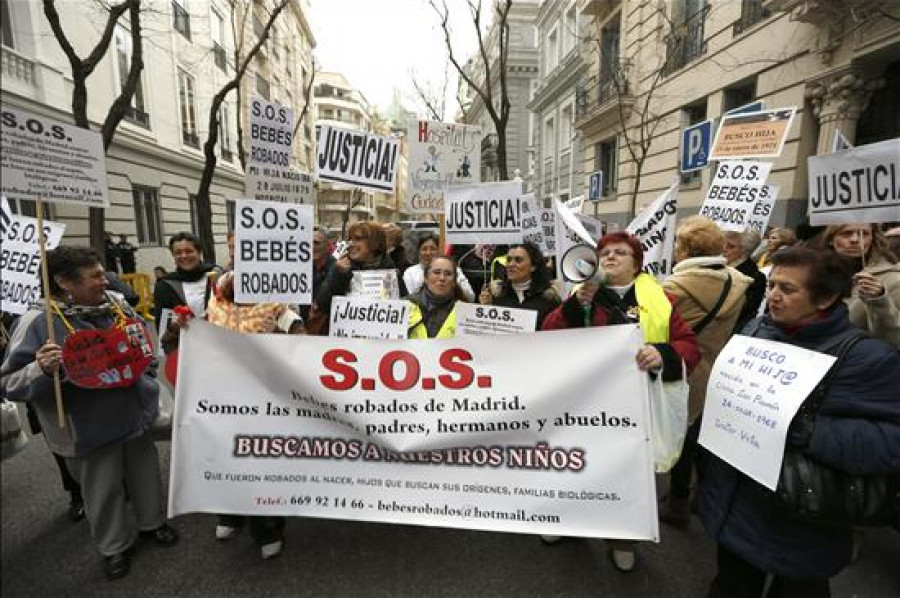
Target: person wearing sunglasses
[(629, 296), (527, 284)]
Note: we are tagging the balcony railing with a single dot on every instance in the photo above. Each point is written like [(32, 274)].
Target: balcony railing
[(686, 42), (594, 92), (137, 116), (16, 66), (752, 12), (190, 138), (219, 56)]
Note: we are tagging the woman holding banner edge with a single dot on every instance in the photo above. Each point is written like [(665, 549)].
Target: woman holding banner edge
[(629, 296), (433, 308), (856, 429)]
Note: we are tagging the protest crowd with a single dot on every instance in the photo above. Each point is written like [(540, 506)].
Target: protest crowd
[(811, 315)]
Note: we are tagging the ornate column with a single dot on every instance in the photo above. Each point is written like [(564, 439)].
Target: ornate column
[(838, 100)]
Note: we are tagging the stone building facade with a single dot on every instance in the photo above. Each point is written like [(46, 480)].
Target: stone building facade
[(836, 61), (155, 160)]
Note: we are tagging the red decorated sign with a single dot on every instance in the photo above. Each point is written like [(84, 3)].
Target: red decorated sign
[(111, 358)]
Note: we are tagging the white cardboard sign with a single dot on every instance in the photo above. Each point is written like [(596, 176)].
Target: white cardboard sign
[(655, 227), (859, 185), (484, 213), (357, 159), (285, 185), (41, 158), (755, 388), (20, 259), (733, 192), (273, 252), (271, 133), (357, 317), (441, 155), (492, 320), (762, 208), (375, 284)]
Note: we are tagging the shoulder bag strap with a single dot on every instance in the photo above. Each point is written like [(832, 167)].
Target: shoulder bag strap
[(715, 309)]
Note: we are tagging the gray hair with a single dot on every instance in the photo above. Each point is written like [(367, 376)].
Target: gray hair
[(749, 240)]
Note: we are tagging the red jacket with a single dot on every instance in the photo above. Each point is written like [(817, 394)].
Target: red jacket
[(607, 310)]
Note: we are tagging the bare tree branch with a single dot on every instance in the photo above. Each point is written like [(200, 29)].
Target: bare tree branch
[(435, 112), (307, 101)]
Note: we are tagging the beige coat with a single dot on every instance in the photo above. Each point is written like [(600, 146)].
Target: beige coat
[(880, 317), (697, 288)]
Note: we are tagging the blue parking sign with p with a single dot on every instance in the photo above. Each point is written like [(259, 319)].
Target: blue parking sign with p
[(695, 142)]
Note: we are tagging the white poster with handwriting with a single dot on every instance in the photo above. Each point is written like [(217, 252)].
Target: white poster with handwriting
[(359, 317), (755, 388)]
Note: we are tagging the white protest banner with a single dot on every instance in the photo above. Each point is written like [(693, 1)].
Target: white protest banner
[(273, 252), (859, 185), (573, 230), (453, 433), (357, 158), (356, 317), (733, 192), (840, 143), (271, 133), (492, 320), (655, 227), (575, 205), (375, 284), (758, 217), (754, 390), (441, 155), (752, 135), (41, 158), (483, 213), (532, 224), (285, 185), (20, 259), (548, 230)]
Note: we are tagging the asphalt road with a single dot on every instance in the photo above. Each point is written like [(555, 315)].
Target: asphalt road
[(43, 554)]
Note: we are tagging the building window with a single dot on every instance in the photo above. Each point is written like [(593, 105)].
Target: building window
[(195, 214), (135, 113), (146, 215), (691, 115), (570, 31), (27, 207), (258, 26), (225, 133), (262, 86), (188, 109), (551, 56), (273, 41), (606, 158), (181, 18), (217, 34), (6, 26), (739, 95), (685, 42), (229, 214), (752, 12)]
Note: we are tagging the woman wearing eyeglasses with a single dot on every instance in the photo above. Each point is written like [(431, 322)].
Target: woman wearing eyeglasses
[(367, 250), (527, 284), (629, 296), (433, 308)]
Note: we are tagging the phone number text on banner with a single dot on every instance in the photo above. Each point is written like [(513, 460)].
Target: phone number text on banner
[(452, 433)]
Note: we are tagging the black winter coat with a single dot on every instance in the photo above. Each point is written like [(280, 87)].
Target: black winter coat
[(857, 429), (754, 295), (543, 301)]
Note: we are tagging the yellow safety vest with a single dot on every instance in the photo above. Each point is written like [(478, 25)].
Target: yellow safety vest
[(654, 307), (417, 325)]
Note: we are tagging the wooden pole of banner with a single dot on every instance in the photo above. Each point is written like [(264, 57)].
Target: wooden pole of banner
[(442, 233), (51, 335)]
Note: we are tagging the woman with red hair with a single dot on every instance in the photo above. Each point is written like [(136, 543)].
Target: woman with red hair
[(629, 296)]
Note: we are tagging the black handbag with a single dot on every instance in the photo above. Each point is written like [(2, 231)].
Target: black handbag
[(811, 491)]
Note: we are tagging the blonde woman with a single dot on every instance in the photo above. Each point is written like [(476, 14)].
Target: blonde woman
[(875, 301)]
